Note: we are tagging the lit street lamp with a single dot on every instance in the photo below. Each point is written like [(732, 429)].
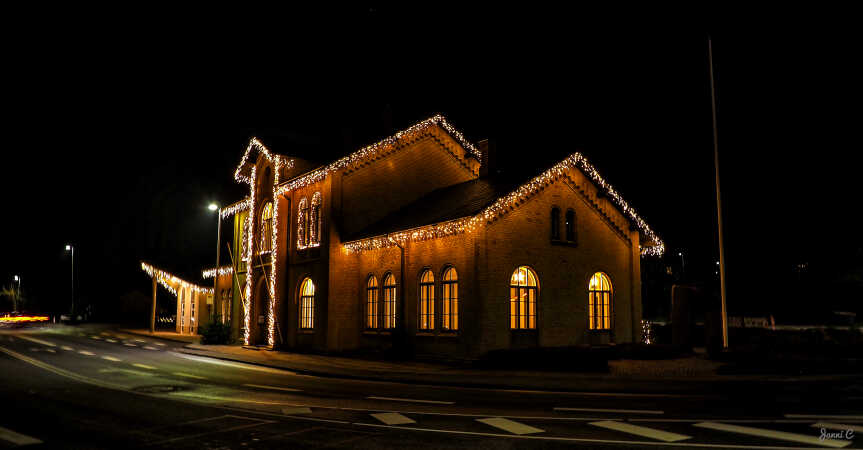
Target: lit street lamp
[(17, 294), (71, 248), (217, 306), (682, 264)]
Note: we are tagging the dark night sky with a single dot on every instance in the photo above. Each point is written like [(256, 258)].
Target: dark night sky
[(117, 137)]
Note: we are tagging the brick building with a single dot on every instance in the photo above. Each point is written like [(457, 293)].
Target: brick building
[(413, 241)]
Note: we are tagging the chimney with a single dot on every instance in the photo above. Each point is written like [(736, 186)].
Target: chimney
[(488, 161)]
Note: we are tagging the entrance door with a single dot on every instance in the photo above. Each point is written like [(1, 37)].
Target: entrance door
[(262, 309)]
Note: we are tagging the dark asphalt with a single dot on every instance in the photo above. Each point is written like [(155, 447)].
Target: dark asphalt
[(94, 387)]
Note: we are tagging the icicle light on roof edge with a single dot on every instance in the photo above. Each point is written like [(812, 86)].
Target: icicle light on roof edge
[(468, 224), (164, 278)]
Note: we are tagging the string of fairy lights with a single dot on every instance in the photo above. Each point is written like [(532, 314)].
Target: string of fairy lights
[(169, 280), (210, 273), (507, 203), (433, 231)]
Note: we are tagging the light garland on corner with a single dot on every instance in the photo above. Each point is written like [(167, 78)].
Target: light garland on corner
[(210, 273), (166, 279), (250, 226), (254, 143), (507, 203)]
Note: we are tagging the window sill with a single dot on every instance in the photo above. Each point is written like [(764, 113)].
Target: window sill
[(564, 243)]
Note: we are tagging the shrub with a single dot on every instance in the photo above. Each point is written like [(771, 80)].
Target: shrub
[(215, 333)]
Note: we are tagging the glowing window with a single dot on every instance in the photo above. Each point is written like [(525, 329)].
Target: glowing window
[(267, 227), (599, 302), (182, 310), (522, 299), (570, 225), (307, 304), (389, 301), (449, 303), (372, 303), (555, 224), (303, 223), (315, 221), (427, 300)]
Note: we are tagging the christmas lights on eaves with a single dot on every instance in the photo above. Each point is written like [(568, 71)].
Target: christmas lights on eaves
[(508, 202), (167, 279), (254, 143), (233, 209), (210, 273), (373, 149)]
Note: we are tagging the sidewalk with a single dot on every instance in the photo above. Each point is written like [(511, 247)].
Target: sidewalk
[(167, 335), (669, 377)]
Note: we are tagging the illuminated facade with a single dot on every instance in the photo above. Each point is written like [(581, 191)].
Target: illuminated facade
[(411, 239)]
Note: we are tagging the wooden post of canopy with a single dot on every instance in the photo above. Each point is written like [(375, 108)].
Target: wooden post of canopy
[(153, 308)]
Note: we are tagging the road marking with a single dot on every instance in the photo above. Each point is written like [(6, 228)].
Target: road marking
[(296, 410), (393, 418), (275, 388), (139, 340), (781, 435), (510, 425), (233, 364), (127, 344), (150, 347), (111, 358), (96, 337), (144, 366), (113, 341), (38, 341), (816, 416), (838, 426), (159, 343), (85, 352), (641, 431), (38, 349), (188, 375), (621, 411), (66, 347), (410, 400), (17, 438)]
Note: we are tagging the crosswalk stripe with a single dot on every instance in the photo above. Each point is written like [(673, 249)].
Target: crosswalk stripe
[(392, 418), (85, 352), (144, 366), (640, 431), (66, 347), (781, 435), (838, 426), (17, 438), (111, 358), (510, 425)]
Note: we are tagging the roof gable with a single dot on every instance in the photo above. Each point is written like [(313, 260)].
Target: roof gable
[(255, 147)]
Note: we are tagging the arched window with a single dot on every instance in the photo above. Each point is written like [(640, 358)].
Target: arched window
[(307, 304), (302, 223), (315, 221), (389, 301), (449, 302), (570, 225), (372, 303), (555, 224), (427, 300), (267, 227), (522, 299), (599, 302)]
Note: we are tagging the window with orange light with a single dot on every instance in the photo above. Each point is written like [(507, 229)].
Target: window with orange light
[(523, 289), (599, 302)]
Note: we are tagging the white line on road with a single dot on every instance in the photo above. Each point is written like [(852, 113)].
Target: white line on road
[(275, 388), (38, 341), (233, 364), (159, 343), (127, 344), (621, 411), (66, 347), (781, 435), (641, 431), (113, 341), (85, 352), (510, 425), (410, 400), (838, 426), (139, 340), (144, 366), (188, 375), (296, 410), (148, 347), (96, 337), (393, 418), (111, 358), (17, 438), (816, 416)]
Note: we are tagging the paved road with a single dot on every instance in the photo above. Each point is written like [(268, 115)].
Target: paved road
[(94, 387)]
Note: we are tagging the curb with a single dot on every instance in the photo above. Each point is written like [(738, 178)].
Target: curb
[(154, 336)]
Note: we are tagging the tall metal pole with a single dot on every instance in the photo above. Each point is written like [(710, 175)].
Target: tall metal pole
[(73, 281), (217, 304), (153, 309), (718, 197)]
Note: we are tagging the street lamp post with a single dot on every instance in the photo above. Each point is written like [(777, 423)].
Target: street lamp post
[(17, 294), (682, 265), (71, 248), (217, 302)]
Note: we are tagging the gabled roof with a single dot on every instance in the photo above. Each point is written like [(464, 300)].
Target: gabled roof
[(465, 206), (256, 146)]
